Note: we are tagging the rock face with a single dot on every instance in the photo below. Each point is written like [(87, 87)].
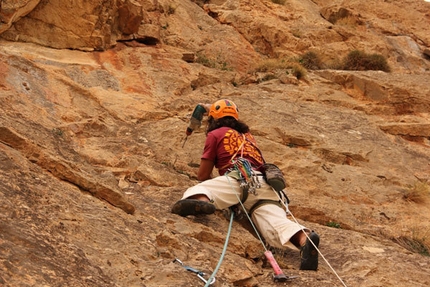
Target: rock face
[(12, 11), (83, 25), (95, 99)]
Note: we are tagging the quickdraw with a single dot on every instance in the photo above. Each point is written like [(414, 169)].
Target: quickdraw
[(247, 177), (200, 274)]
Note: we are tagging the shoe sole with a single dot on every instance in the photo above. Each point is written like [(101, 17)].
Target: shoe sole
[(186, 207), (309, 254)]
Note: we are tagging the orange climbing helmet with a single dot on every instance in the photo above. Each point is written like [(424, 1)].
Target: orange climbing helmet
[(224, 108)]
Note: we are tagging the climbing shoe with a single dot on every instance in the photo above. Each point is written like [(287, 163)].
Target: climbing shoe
[(309, 254), (186, 207)]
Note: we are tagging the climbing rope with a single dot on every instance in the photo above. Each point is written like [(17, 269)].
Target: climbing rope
[(223, 251)]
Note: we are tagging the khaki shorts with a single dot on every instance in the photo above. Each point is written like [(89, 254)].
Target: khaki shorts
[(270, 219)]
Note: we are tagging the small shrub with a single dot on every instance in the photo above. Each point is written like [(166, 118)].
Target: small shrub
[(276, 65), (57, 132), (417, 193), (217, 63), (268, 77), (311, 61), (334, 64), (224, 66), (298, 71), (417, 242), (377, 62), (361, 61), (354, 60), (204, 60), (171, 9), (269, 65), (333, 224)]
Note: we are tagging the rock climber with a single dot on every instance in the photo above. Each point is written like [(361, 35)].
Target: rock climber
[(231, 148)]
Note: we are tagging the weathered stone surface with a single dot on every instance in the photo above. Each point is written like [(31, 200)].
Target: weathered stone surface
[(12, 10), (408, 129), (353, 145), (129, 18), (85, 25), (188, 57), (148, 34), (64, 170), (396, 94)]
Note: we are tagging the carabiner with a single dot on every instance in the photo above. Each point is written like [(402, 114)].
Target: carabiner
[(204, 280), (200, 274)]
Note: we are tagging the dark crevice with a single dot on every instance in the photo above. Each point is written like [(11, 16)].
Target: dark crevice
[(150, 41)]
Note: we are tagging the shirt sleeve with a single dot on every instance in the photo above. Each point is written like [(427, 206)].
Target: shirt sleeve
[(210, 149)]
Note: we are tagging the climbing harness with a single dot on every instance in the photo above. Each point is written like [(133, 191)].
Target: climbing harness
[(200, 274)]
